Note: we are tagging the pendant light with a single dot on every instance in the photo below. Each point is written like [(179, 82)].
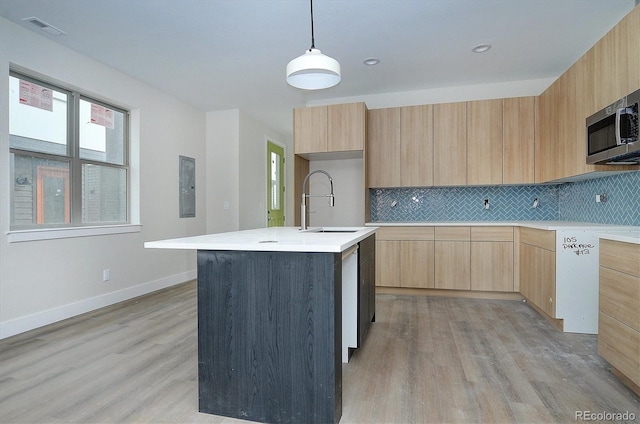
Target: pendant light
[(313, 70)]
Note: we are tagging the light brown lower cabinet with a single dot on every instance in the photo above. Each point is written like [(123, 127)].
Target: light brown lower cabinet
[(404, 257), (453, 265), (538, 268), (492, 260), (453, 258), (416, 264), (492, 266), (619, 309), (387, 263), (450, 258)]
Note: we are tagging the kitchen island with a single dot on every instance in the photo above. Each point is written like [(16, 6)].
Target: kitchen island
[(270, 321)]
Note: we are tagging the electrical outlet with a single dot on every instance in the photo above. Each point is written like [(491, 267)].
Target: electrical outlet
[(106, 274)]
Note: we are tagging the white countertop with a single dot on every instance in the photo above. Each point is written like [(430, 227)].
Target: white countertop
[(274, 239), (541, 225), (624, 236)]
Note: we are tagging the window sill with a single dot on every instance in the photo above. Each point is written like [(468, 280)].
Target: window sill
[(58, 233)]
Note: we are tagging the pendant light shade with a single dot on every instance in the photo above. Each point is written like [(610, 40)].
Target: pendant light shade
[(313, 70)]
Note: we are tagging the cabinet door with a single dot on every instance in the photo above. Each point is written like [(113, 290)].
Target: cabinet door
[(452, 265), (619, 344), (518, 138), (388, 263), (631, 29), (570, 149), (492, 266), (310, 129), (611, 67), (484, 142), (538, 277), (544, 159), (416, 146), (449, 144), (416, 264), (383, 148), (346, 127)]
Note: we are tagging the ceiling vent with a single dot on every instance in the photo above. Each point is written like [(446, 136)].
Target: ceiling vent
[(43, 26)]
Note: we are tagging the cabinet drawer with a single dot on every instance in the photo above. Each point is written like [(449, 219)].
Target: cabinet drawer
[(491, 233), (619, 344), (620, 296), (541, 238), (404, 233), (620, 256), (453, 233)]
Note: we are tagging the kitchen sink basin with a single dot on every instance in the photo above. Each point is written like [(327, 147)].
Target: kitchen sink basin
[(336, 231), (330, 230)]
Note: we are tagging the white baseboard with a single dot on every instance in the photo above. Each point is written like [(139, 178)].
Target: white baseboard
[(40, 319)]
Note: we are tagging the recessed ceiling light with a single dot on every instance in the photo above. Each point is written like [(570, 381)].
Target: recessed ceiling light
[(371, 61), (481, 48)]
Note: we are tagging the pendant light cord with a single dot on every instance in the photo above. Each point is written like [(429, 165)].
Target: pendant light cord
[(313, 43)]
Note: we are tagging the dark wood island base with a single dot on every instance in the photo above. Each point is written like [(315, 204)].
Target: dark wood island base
[(269, 335)]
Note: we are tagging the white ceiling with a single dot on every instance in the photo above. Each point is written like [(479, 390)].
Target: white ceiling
[(226, 54)]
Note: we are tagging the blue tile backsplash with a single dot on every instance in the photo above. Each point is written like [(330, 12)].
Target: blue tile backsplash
[(560, 202), (577, 200)]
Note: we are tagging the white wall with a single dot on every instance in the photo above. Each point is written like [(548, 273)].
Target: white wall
[(48, 280), (253, 172), (348, 187), (223, 170), (237, 169)]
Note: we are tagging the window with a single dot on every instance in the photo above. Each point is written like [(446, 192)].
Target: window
[(69, 157)]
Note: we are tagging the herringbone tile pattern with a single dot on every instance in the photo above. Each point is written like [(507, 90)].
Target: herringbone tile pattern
[(511, 203), (577, 201), (564, 202)]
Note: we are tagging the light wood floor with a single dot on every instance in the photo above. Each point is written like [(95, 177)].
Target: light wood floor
[(427, 359)]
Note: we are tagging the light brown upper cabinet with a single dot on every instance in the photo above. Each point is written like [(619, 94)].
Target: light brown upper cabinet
[(329, 129), (310, 129), (400, 147), (383, 147), (346, 125), (416, 146), (450, 144), (630, 27), (604, 74), (518, 140), (484, 142)]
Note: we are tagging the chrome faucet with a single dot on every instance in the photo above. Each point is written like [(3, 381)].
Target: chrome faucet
[(303, 206)]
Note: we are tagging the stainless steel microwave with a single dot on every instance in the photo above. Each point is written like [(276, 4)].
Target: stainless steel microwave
[(612, 133)]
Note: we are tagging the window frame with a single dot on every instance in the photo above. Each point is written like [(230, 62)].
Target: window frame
[(75, 226)]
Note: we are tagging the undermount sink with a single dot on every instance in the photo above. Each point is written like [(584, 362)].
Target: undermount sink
[(336, 231), (329, 230)]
